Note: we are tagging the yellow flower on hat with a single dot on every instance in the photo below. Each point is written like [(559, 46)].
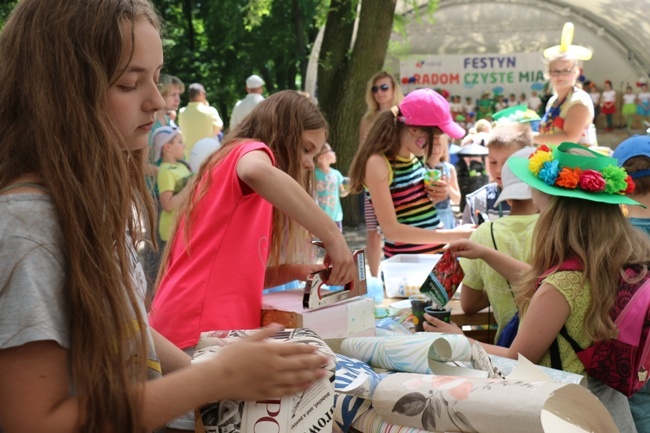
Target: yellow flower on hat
[(537, 160), (565, 47)]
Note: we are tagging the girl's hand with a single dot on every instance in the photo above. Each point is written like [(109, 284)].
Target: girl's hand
[(256, 369), (437, 191), (300, 271), (468, 249), (339, 257), (431, 324)]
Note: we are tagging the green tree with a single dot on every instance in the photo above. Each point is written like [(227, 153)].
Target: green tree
[(221, 43), (348, 60), (345, 65), (6, 6)]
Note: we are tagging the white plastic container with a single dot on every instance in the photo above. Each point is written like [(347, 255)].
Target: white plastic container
[(403, 274)]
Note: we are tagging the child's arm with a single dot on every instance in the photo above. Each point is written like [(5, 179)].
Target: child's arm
[(472, 301), (574, 125), (344, 183), (509, 268), (171, 357), (452, 185), (547, 312), (289, 272), (256, 170), (170, 201), (166, 183), (376, 180), (35, 383)]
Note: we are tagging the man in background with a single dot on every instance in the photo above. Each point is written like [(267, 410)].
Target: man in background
[(198, 119), (254, 88)]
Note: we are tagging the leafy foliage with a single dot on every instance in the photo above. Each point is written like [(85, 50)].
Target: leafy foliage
[(6, 6), (221, 43)]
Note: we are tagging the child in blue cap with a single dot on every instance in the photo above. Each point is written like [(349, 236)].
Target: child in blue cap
[(633, 155)]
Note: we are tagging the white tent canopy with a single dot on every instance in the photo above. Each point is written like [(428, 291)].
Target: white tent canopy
[(616, 31)]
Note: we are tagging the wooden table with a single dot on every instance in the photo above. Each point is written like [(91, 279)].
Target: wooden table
[(476, 326)]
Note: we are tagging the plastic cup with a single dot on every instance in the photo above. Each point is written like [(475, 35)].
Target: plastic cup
[(418, 304), (443, 314), (432, 175)]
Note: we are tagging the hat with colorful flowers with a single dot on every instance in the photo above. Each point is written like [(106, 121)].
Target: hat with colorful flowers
[(579, 173)]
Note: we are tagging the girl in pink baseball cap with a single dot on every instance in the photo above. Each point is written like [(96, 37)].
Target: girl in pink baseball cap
[(388, 165)]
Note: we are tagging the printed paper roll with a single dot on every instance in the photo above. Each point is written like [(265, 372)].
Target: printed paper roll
[(467, 404)]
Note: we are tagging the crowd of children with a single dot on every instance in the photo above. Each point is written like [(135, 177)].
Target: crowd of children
[(488, 103)]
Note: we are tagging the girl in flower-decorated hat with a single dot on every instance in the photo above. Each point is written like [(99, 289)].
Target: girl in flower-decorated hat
[(583, 248)]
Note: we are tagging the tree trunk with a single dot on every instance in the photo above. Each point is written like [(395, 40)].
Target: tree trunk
[(301, 43), (187, 11), (344, 72)]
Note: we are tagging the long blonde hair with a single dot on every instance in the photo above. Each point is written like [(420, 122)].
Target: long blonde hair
[(584, 229), (371, 103), (279, 122), (59, 58)]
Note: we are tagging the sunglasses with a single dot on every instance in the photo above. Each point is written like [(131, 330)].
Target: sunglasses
[(383, 88)]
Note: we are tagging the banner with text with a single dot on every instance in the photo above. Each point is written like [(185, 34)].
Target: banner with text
[(474, 74)]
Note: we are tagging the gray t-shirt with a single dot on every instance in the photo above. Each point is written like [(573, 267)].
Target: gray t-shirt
[(33, 300)]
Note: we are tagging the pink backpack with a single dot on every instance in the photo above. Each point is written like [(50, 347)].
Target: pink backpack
[(622, 362)]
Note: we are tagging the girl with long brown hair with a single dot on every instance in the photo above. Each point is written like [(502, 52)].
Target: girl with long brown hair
[(241, 229), (76, 351), (388, 165)]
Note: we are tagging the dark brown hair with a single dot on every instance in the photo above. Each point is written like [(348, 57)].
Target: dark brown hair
[(639, 163)]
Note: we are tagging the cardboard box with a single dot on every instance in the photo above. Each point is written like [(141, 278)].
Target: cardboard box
[(404, 273), (351, 318)]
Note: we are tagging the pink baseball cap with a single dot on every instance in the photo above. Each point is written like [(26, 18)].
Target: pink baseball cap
[(425, 107)]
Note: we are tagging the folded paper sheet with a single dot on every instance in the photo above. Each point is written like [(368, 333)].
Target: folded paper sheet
[(469, 404)]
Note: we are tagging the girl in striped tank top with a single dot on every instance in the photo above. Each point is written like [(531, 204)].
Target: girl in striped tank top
[(389, 165)]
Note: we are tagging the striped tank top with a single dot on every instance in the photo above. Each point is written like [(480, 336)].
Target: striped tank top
[(412, 204)]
